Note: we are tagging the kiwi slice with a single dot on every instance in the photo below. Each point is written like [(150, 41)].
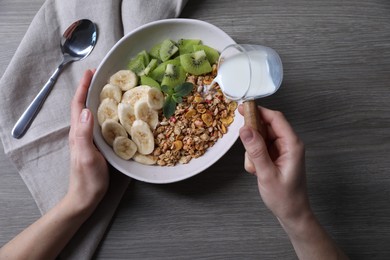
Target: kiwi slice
[(186, 45), (155, 51), (151, 66), (139, 63), (136, 65), (145, 56), (196, 63), (174, 75), (158, 73), (167, 49), (211, 53), (145, 80)]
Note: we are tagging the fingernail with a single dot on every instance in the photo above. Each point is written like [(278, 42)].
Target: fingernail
[(246, 135), (84, 116)]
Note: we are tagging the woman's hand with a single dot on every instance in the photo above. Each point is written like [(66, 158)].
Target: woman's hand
[(45, 238), (89, 177), (279, 164)]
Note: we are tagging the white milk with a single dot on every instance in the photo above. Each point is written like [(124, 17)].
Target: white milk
[(234, 76)]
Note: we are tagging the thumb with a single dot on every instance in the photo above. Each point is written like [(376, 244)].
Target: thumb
[(84, 129), (256, 150)]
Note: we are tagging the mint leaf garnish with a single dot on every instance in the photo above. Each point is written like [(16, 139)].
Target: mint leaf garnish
[(183, 89), (169, 106), (174, 96), (167, 90), (178, 99)]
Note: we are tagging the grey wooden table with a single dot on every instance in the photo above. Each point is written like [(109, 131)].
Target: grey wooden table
[(336, 95)]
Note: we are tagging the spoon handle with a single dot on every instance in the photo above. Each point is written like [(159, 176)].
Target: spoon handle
[(32, 110)]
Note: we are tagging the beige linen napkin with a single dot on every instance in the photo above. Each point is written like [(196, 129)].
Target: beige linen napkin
[(42, 155)]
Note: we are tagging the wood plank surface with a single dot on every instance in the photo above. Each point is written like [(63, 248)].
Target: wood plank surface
[(335, 93)]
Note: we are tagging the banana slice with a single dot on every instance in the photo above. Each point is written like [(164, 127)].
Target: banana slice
[(126, 116), (111, 91), (143, 112), (145, 159), (125, 79), (124, 147), (133, 95), (108, 109), (112, 129), (155, 98), (142, 137)]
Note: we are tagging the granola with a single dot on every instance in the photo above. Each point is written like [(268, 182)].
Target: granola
[(197, 124)]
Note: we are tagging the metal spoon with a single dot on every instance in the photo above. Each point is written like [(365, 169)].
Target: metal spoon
[(77, 43)]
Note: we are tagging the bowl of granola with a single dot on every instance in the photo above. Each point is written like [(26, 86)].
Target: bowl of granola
[(154, 121)]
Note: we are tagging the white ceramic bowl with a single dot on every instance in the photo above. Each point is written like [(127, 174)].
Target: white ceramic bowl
[(117, 58)]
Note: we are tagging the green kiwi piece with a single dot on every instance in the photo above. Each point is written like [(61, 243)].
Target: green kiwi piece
[(174, 75), (137, 65), (145, 57), (186, 45), (139, 62), (167, 50), (211, 53), (158, 73), (155, 51), (151, 66), (195, 63), (145, 80)]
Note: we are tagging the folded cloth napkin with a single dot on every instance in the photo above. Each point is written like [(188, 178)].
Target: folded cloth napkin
[(42, 155)]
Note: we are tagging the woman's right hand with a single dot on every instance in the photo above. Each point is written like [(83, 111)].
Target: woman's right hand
[(279, 164)]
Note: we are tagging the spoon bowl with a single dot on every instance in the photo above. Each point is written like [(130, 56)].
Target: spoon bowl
[(77, 42), (79, 39)]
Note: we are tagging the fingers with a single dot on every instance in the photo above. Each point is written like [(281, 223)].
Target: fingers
[(78, 101), (282, 146), (277, 125), (257, 157), (280, 128), (248, 165), (78, 104), (84, 130)]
